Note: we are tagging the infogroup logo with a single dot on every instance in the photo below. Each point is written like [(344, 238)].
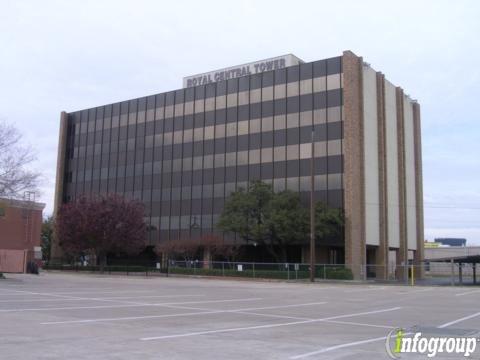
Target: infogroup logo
[(399, 342)]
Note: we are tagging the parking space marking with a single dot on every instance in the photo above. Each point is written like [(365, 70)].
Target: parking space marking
[(146, 317), (468, 293), (268, 326), (373, 288), (69, 297), (341, 346), (459, 320), (102, 299), (284, 306), (270, 315), (128, 305), (409, 292), (199, 311), (78, 292), (336, 347), (359, 324)]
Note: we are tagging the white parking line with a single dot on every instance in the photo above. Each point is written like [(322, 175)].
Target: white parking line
[(198, 312), (78, 292), (468, 293), (271, 315), (69, 297), (374, 288), (459, 320), (285, 306), (408, 292), (268, 326), (341, 346), (359, 324), (336, 347), (128, 305), (102, 299)]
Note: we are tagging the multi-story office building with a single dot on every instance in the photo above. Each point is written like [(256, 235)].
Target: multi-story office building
[(183, 152)]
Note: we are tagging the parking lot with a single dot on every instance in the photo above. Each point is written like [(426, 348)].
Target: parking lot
[(82, 316)]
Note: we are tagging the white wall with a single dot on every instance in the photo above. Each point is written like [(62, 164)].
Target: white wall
[(392, 166), (370, 133), (410, 174)]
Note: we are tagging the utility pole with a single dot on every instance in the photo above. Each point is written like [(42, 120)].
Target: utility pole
[(312, 211)]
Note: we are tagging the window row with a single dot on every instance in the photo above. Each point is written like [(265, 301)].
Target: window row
[(182, 130), (214, 139), (293, 168), (308, 81), (254, 156), (244, 127)]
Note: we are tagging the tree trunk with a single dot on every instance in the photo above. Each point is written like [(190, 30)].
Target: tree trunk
[(271, 249), (102, 262), (283, 253)]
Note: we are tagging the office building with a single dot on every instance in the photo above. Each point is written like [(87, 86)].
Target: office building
[(183, 152)]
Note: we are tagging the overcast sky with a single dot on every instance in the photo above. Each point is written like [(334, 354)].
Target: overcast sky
[(71, 55)]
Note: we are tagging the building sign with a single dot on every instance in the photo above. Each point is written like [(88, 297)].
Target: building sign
[(256, 67)]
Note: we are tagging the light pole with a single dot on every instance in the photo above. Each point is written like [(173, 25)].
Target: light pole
[(312, 211)]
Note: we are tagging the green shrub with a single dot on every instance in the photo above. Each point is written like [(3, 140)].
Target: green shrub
[(338, 273), (333, 273), (268, 271)]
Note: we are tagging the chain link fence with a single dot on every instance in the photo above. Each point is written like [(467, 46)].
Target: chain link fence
[(283, 271), (427, 273)]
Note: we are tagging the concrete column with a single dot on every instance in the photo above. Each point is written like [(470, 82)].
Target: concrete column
[(402, 192), (419, 253), (383, 249), (56, 251), (164, 260), (474, 270), (354, 189), (401, 270), (460, 274), (453, 272), (207, 258)]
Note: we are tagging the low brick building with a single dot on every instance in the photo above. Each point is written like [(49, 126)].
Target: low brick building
[(20, 227)]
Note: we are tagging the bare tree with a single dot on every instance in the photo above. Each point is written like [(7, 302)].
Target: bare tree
[(15, 177)]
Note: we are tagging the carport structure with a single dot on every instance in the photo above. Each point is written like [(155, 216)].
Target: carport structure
[(460, 261), (463, 262)]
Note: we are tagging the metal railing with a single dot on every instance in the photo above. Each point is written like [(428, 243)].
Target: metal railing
[(285, 271), (428, 273)]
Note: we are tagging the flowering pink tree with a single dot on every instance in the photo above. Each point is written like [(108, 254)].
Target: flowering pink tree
[(101, 225)]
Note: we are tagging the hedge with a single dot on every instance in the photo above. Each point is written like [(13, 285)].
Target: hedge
[(338, 273), (95, 268), (275, 271)]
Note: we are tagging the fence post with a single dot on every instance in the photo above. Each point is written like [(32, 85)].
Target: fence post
[(288, 271), (253, 270), (324, 272), (412, 273), (453, 272), (460, 275), (223, 268)]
